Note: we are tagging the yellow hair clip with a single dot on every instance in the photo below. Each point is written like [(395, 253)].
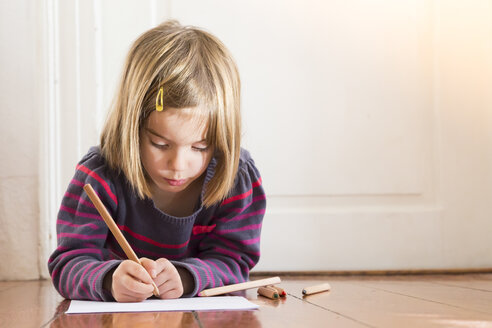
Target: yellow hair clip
[(159, 106)]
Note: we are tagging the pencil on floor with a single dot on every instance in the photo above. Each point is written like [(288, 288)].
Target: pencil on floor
[(281, 292), (316, 289), (241, 286), (268, 292), (114, 229)]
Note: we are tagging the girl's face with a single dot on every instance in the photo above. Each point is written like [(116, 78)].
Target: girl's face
[(173, 149)]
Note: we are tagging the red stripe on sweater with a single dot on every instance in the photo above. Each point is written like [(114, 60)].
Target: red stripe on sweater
[(199, 229), (99, 179), (150, 241), (257, 183), (237, 197), (244, 195)]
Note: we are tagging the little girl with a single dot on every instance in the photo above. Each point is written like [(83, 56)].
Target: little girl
[(171, 173)]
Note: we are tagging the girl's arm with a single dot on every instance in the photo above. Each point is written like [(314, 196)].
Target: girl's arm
[(80, 262)]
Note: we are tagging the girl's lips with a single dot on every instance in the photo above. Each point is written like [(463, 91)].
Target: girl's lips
[(175, 183)]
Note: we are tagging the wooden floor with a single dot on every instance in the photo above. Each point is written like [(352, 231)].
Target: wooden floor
[(369, 301)]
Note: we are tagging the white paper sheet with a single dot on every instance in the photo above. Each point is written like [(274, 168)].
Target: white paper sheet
[(156, 305)]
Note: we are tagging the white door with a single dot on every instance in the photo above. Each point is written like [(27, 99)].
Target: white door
[(370, 121)]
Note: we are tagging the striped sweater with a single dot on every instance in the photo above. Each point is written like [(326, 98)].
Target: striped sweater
[(217, 245)]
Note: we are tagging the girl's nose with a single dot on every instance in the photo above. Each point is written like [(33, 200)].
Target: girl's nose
[(177, 161)]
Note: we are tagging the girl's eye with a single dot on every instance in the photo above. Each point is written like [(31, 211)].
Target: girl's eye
[(159, 146), (200, 148)]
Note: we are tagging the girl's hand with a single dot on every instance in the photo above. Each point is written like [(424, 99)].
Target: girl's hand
[(131, 283), (165, 276)]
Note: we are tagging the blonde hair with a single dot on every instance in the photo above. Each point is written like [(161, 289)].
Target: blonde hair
[(195, 70)]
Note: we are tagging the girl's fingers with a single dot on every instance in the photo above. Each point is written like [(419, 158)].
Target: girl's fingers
[(139, 272), (131, 282), (150, 265), (168, 280), (134, 285), (128, 290), (162, 264), (171, 290), (166, 271), (132, 297)]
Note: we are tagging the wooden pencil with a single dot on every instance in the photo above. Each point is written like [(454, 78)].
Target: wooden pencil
[(316, 289), (114, 229), (240, 286)]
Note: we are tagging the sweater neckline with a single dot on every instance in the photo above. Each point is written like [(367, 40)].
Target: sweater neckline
[(209, 173)]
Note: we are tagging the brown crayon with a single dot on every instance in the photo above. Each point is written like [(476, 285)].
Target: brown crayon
[(268, 292)]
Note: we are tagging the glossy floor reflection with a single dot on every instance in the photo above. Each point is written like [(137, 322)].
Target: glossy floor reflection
[(364, 301)]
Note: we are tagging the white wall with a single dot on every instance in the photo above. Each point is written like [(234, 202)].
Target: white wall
[(19, 141), (370, 122)]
